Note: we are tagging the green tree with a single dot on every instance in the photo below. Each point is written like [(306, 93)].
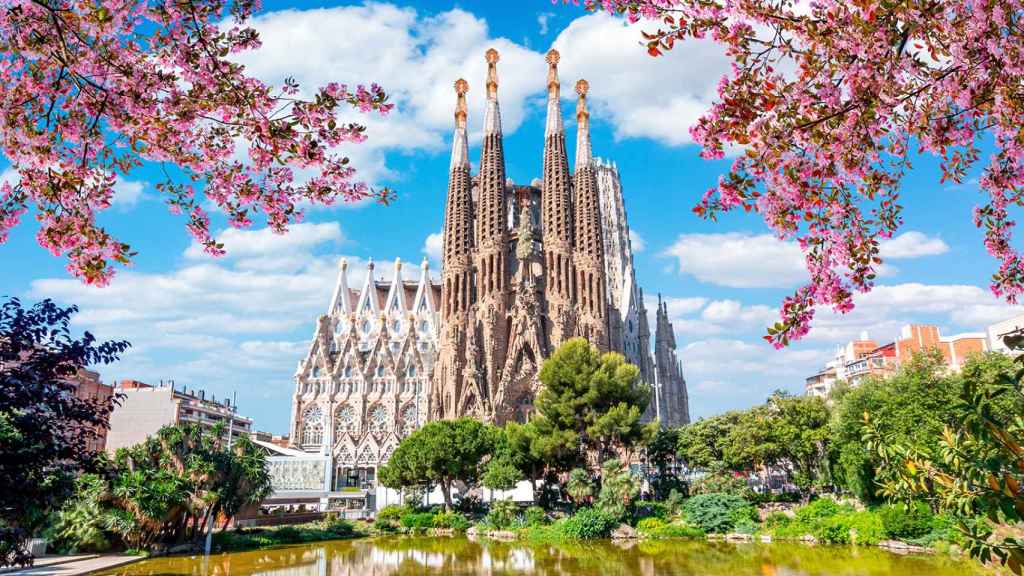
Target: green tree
[(441, 453), (579, 486), (501, 472), (702, 443), (801, 434), (911, 407), (596, 397), (977, 470)]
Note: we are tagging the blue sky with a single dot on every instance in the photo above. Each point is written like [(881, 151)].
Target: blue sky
[(242, 322)]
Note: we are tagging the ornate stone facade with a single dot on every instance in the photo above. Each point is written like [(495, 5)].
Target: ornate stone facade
[(527, 267), (365, 382)]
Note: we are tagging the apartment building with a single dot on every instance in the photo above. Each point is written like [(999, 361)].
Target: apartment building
[(145, 408)]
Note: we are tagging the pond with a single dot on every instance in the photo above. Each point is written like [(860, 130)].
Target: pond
[(406, 555)]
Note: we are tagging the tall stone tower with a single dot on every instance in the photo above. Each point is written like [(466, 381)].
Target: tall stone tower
[(672, 400), (556, 210), (588, 256), (457, 269)]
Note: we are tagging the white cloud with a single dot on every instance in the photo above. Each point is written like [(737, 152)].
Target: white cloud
[(265, 250), (542, 22), (432, 247), (912, 244), (641, 96), (739, 260), (127, 193), (417, 64), (636, 242)]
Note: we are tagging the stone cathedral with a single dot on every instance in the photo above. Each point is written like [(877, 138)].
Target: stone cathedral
[(524, 268)]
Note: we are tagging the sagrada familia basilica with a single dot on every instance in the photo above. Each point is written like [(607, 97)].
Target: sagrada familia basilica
[(524, 268)]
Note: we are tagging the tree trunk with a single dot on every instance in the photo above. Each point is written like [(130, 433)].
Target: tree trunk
[(446, 489)]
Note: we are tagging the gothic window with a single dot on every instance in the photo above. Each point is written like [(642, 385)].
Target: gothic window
[(380, 370), (313, 425), (409, 419), (344, 456), (411, 372), (316, 372), (348, 371), (397, 326), (378, 419), (334, 347), (366, 326), (344, 420)]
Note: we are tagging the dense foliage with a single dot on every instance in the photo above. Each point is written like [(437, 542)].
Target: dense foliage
[(441, 453), (591, 401), (976, 467), (44, 427), (170, 489)]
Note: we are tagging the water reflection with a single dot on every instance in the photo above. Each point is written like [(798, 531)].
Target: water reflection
[(404, 556)]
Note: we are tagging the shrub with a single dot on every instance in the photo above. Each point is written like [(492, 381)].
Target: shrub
[(863, 527), (503, 514), (674, 502), (288, 535), (717, 513), (819, 510), (338, 526), (417, 521), (589, 523), (452, 520), (535, 516), (388, 518), (649, 509), (648, 526), (906, 521)]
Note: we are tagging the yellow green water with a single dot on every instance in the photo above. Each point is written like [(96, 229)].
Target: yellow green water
[(402, 555)]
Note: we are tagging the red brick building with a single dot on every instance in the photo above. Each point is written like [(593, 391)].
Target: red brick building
[(89, 387)]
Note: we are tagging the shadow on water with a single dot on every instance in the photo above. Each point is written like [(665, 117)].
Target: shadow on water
[(407, 555)]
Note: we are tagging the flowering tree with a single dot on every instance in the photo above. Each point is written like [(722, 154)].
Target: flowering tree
[(825, 102), (90, 90)]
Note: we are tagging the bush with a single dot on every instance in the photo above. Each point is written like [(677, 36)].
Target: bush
[(649, 509), (389, 517), (535, 516), (863, 527), (503, 514), (819, 510), (717, 513), (452, 520), (589, 523), (907, 521), (648, 526), (288, 535), (417, 521), (338, 526)]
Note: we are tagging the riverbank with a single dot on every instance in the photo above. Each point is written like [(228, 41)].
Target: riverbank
[(76, 565), (266, 537)]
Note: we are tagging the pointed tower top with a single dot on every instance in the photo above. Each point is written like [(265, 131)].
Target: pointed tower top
[(492, 72), (461, 87), (343, 263), (552, 59), (425, 264), (398, 264), (584, 153)]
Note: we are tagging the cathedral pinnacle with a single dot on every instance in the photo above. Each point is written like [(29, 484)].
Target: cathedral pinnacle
[(461, 87), (552, 59), (492, 116), (492, 72), (584, 153)]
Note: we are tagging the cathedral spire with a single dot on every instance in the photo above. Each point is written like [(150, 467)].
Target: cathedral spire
[(588, 254), (492, 114), (460, 146), (457, 242), (584, 153), (554, 121), (492, 219), (557, 218), (340, 302)]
